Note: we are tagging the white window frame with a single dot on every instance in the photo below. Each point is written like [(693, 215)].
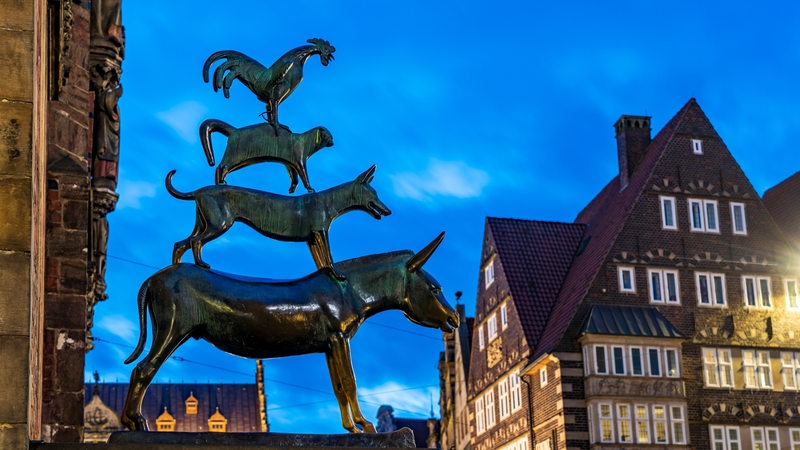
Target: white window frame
[(613, 359), (641, 361), (597, 368), (717, 362), (587, 362), (480, 424), (697, 146), (659, 365), (660, 421), (488, 274), (677, 424), (491, 327), (621, 270), (543, 377), (668, 207), (760, 298), (544, 445), (790, 371), (794, 438), (757, 369), (622, 421), (516, 391), (741, 217), (703, 226), (676, 361), (713, 300), (503, 398), (770, 438), (488, 400), (504, 316), (606, 419), (481, 342), (662, 277), (792, 293), (727, 440), (642, 422)]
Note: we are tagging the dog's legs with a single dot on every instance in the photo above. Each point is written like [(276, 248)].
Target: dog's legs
[(215, 223), (303, 172), (321, 252), (219, 174), (293, 177)]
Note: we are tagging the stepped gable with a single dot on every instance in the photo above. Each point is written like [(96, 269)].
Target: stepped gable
[(535, 257), (783, 203), (604, 217)]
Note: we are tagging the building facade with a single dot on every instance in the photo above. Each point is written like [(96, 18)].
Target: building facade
[(663, 317)]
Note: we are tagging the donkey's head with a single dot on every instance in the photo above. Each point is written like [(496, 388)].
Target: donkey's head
[(366, 197), (425, 303)]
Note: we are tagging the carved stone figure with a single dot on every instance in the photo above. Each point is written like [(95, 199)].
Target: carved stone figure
[(270, 85), (263, 142), (304, 218), (266, 319)]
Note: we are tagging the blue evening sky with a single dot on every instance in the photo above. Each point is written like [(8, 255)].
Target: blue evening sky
[(469, 109)]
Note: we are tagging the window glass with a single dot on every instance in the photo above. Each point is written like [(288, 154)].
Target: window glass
[(672, 362), (791, 294), (642, 425), (738, 218), (624, 423), (668, 213), (660, 424), (606, 424), (672, 286), (619, 360), (636, 361), (600, 359), (654, 361)]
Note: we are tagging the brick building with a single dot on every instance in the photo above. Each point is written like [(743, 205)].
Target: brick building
[(663, 317), (453, 369), (783, 202)]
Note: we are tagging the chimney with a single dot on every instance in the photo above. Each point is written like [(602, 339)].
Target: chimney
[(633, 137)]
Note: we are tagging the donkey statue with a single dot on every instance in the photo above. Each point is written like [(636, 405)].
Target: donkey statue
[(267, 319)]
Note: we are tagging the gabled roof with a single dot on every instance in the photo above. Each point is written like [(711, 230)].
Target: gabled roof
[(535, 257), (783, 203), (640, 321), (604, 218)]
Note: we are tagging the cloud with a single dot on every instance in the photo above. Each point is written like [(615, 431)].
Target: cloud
[(119, 326), (404, 400), (441, 179), (183, 119), (131, 193)]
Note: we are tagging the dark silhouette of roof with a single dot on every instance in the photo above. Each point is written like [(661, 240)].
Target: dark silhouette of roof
[(640, 321), (783, 203)]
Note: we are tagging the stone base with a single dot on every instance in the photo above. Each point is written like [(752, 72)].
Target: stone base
[(403, 438)]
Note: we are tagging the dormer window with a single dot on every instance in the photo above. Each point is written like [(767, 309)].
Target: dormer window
[(191, 404), (697, 146), (165, 422), (217, 423)]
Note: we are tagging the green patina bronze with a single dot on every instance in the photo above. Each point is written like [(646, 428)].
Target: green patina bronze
[(266, 319)]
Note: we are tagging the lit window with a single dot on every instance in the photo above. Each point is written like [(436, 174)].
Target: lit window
[(710, 289), (765, 438), (725, 438), (642, 424), (165, 422), (488, 274), (491, 326), (480, 425), (618, 353), (671, 357), (481, 343), (624, 423), (543, 377), (678, 420), (489, 400), (792, 300), (703, 216), (600, 362), (717, 367), (637, 368), (217, 422), (738, 218), (660, 424), (654, 361), (757, 369), (606, 423), (790, 370), (191, 404), (668, 221), (697, 146), (502, 391), (664, 286), (504, 316), (794, 436), (626, 280), (757, 292), (516, 391)]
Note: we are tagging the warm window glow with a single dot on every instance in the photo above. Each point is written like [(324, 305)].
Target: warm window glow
[(191, 404), (165, 422), (217, 422)]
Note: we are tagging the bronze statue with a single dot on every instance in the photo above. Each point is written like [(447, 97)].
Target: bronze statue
[(266, 319), (263, 142), (303, 218), (270, 85)]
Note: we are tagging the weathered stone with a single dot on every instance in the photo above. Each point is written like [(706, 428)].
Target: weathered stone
[(14, 436), (61, 310), (65, 243), (16, 59), (14, 375), (73, 277), (17, 15), (15, 137), (15, 292), (68, 409), (76, 215), (15, 219)]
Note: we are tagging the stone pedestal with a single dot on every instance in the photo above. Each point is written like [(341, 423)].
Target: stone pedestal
[(403, 438)]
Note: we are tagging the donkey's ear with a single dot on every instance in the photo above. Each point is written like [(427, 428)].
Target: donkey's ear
[(366, 177), (416, 261)]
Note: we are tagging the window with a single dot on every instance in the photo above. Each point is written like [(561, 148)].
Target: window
[(624, 422), (586, 370), (491, 326), (717, 367), (642, 424), (725, 438), (678, 421), (654, 362), (794, 438), (663, 286), (618, 353), (600, 366), (165, 422), (792, 301), (626, 281), (480, 424), (637, 368), (502, 397), (697, 146), (489, 400), (757, 370), (504, 316), (481, 344), (606, 423), (660, 424), (738, 220), (516, 391), (520, 444), (488, 274), (703, 216), (191, 404), (668, 213), (671, 359), (756, 292), (544, 445), (765, 438), (710, 289), (790, 370), (543, 377)]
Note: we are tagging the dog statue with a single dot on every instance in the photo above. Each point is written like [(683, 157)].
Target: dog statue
[(262, 142), (299, 218)]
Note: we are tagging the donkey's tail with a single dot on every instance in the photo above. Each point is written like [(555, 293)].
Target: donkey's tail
[(206, 128), (142, 323), (174, 192)]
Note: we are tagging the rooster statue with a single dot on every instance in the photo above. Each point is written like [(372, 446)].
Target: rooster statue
[(271, 85)]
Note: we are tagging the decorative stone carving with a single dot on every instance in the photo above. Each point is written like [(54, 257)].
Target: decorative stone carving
[(616, 386), (494, 352)]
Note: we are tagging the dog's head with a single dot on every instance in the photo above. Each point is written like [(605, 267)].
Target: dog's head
[(324, 138), (367, 197)]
